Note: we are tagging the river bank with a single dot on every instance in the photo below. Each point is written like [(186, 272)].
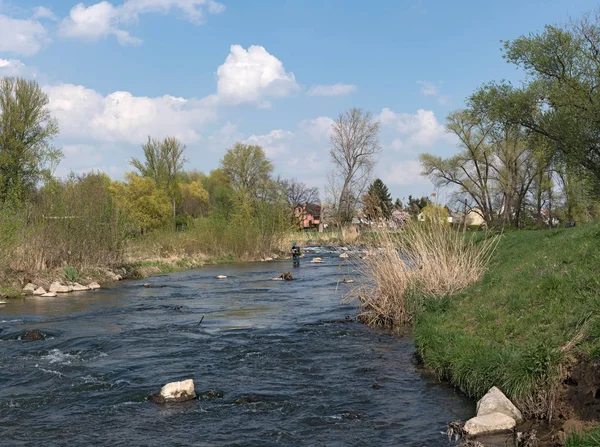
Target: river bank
[(530, 326)]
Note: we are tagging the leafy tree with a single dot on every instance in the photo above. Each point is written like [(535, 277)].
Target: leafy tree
[(354, 148), (163, 163), (145, 203), (435, 213), (26, 132), (247, 168), (194, 198)]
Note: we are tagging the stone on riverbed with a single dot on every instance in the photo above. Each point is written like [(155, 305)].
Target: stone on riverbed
[(39, 291), (287, 276), (93, 286), (496, 402), (175, 392), (29, 288), (59, 288), (344, 255), (489, 424), (317, 261)]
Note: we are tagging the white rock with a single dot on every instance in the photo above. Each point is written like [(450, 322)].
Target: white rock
[(496, 402), (275, 256), (317, 261), (345, 248), (489, 424), (39, 291), (268, 259), (221, 277), (94, 286), (79, 288), (59, 288), (344, 255), (278, 279), (119, 277), (3, 302), (178, 391), (30, 288), (49, 295)]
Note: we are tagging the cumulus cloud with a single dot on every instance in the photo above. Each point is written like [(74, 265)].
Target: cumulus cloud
[(331, 90), (224, 138), (41, 12), (21, 36), (11, 67), (85, 114), (104, 19), (274, 143), (319, 129), (249, 75), (407, 172), (419, 130)]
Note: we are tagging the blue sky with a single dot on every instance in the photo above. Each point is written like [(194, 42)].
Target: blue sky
[(270, 72)]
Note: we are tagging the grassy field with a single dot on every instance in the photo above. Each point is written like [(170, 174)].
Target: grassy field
[(534, 313)]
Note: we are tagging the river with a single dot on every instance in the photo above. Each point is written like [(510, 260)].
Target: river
[(288, 369)]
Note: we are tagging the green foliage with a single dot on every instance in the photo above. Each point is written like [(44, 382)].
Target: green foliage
[(378, 201), (70, 273), (26, 131), (508, 329), (247, 168), (435, 213), (588, 439)]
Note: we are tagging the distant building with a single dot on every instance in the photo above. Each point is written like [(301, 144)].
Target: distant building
[(308, 215)]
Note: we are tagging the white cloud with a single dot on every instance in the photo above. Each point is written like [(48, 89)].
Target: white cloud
[(406, 172), (21, 36), (319, 129), (224, 138), (11, 67), (41, 12), (85, 114), (274, 143), (429, 88), (419, 130), (249, 75), (331, 90), (104, 19)]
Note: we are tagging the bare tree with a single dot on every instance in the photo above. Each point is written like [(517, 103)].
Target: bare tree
[(354, 147), (298, 193)]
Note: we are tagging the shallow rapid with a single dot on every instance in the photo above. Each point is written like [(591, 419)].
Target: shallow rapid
[(291, 368)]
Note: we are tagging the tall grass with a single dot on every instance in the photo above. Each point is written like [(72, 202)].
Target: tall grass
[(421, 262), (589, 439)]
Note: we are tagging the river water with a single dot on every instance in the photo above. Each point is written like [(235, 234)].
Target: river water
[(288, 369)]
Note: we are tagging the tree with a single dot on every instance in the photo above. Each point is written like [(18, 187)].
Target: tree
[(194, 198), (26, 132), (354, 147), (163, 163), (381, 201), (247, 168), (298, 193)]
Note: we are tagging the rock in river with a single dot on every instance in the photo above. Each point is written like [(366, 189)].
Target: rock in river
[(94, 286), (496, 402), (39, 291), (489, 424), (175, 392), (29, 288), (221, 277), (79, 288), (32, 335), (59, 288), (49, 295)]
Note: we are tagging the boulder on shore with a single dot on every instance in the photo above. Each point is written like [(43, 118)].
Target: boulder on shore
[(175, 392), (489, 424), (39, 291), (59, 288), (496, 402), (29, 288), (76, 287), (93, 286)]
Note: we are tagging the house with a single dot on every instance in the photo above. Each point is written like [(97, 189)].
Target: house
[(309, 215), (474, 217)]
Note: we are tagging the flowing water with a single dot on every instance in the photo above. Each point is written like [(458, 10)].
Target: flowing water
[(287, 366)]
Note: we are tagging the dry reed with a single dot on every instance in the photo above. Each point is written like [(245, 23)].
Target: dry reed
[(423, 261)]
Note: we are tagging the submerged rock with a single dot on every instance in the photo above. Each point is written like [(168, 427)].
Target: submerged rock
[(32, 335), (287, 276), (94, 286), (175, 392), (59, 288), (496, 402), (39, 291), (489, 424), (154, 286)]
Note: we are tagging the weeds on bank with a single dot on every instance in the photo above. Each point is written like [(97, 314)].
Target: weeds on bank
[(589, 439), (424, 261)]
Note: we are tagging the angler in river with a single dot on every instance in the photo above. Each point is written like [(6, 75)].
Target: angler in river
[(296, 254)]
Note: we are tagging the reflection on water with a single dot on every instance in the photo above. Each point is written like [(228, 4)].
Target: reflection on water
[(289, 369)]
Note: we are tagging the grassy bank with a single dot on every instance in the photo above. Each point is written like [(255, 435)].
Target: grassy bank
[(533, 315)]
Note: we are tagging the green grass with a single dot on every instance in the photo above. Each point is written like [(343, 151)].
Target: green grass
[(589, 439), (540, 294)]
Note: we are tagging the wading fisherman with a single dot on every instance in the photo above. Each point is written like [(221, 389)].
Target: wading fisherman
[(296, 254)]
